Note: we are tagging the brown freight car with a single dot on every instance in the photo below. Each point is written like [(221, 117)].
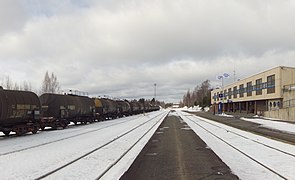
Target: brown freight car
[(59, 110), (19, 112)]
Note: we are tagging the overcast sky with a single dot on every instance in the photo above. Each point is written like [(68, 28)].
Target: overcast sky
[(121, 48)]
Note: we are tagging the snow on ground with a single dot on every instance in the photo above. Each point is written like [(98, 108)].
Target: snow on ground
[(224, 115), (241, 165), (282, 126), (30, 156), (191, 109)]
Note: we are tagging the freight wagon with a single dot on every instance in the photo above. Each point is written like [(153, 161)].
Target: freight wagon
[(19, 112), (59, 110), (23, 111)]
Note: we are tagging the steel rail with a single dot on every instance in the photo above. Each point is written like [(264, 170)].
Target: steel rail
[(62, 139), (261, 143), (129, 149), (235, 148), (94, 150)]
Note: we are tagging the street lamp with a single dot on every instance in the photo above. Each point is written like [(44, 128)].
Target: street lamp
[(221, 77)]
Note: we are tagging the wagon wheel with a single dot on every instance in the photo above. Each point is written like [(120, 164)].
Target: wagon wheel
[(35, 130), (6, 133), (54, 127), (19, 132), (64, 125)]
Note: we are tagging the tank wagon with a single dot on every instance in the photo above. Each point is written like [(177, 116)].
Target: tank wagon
[(155, 108), (135, 107), (19, 112), (59, 110), (123, 108), (105, 108), (23, 111)]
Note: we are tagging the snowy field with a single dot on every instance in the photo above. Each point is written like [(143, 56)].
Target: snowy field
[(104, 149), (248, 155)]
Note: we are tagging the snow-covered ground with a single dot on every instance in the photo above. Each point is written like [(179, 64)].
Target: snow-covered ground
[(32, 156), (271, 124), (242, 151)]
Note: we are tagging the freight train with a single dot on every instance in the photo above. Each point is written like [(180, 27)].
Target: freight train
[(23, 111)]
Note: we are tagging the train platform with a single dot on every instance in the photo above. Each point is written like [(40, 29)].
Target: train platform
[(176, 152)]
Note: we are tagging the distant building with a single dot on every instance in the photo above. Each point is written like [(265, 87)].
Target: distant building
[(270, 93), (175, 105)]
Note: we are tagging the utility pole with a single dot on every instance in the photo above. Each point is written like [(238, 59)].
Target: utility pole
[(234, 72), (155, 92)]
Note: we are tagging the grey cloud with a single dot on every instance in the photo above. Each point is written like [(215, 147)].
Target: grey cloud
[(121, 48), (12, 16)]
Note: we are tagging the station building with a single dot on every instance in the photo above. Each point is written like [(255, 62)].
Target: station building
[(270, 93)]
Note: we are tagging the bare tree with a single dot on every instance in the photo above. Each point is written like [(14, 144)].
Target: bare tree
[(200, 96), (16, 86), (55, 87), (187, 100), (46, 83), (26, 86), (8, 83), (50, 84)]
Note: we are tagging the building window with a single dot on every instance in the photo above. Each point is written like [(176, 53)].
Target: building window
[(271, 84), (235, 92), (259, 86), (229, 93), (241, 89), (225, 94), (214, 97), (249, 88)]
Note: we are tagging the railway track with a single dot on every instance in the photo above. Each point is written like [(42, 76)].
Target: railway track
[(69, 167), (76, 134), (217, 131), (37, 161)]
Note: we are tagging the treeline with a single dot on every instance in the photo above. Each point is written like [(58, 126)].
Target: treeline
[(50, 84), (8, 83), (201, 96)]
